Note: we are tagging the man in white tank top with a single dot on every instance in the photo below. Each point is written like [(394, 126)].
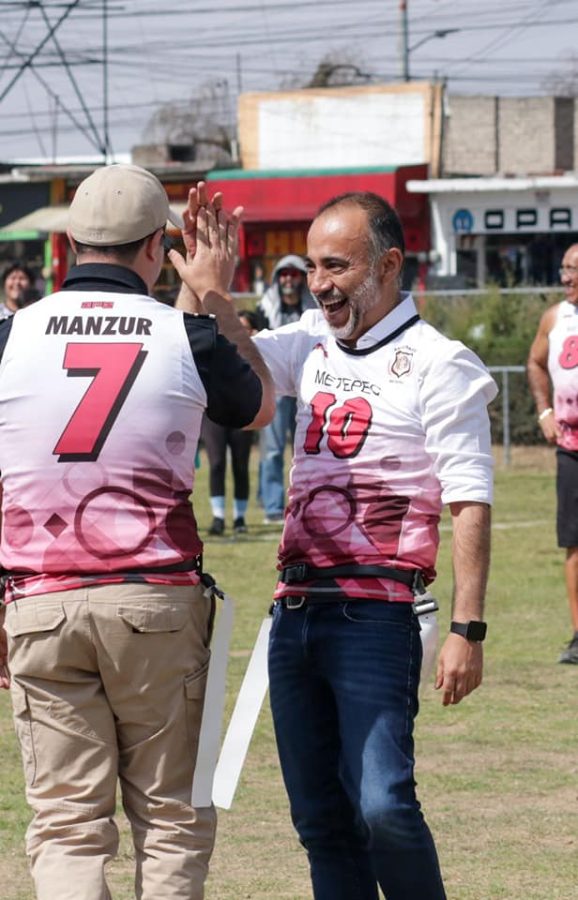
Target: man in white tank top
[(553, 379), (102, 392)]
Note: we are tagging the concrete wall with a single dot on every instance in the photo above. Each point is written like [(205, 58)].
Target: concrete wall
[(333, 128), (564, 133), (469, 135), (510, 135)]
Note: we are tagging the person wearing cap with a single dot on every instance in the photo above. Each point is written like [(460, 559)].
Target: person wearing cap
[(284, 302), (107, 611)]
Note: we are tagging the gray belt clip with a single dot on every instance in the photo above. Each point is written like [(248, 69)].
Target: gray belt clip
[(293, 602), (424, 603)]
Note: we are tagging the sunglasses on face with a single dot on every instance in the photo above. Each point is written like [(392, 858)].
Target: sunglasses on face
[(167, 242)]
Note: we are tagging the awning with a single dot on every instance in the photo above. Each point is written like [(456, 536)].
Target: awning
[(51, 220), (37, 224)]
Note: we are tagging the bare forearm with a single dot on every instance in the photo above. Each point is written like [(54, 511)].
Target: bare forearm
[(539, 382), (187, 300), (471, 559)]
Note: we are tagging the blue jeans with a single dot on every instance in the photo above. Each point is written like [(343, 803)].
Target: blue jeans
[(344, 678), (272, 478)]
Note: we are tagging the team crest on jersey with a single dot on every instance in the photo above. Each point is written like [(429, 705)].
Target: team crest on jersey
[(402, 363)]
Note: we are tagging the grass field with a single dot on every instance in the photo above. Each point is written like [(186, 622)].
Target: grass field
[(497, 775)]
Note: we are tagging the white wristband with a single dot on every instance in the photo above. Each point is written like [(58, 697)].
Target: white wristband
[(544, 413)]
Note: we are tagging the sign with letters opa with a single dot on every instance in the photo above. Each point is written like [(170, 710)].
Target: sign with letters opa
[(510, 220)]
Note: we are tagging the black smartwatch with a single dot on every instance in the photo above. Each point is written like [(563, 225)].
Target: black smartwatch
[(471, 631)]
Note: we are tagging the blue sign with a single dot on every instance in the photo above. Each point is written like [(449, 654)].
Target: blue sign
[(463, 221)]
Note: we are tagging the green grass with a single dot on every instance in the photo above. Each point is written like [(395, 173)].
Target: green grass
[(497, 775)]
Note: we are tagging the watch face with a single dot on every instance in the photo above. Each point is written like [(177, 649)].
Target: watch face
[(476, 631), (471, 631)]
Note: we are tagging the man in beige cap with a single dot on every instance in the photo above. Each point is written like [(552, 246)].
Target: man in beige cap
[(108, 615)]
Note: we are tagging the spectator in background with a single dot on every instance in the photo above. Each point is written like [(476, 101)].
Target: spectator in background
[(217, 438), (259, 284), (15, 279), (27, 296), (553, 379), (284, 302)]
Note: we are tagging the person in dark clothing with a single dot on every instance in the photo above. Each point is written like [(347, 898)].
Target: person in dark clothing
[(216, 439), (285, 301)]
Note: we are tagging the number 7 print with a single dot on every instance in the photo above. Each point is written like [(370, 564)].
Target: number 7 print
[(114, 368)]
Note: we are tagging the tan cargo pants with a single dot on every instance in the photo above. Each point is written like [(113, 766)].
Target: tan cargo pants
[(108, 682)]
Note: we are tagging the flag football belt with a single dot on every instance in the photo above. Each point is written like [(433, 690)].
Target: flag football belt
[(300, 572), (195, 564)]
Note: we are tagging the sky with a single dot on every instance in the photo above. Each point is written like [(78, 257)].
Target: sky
[(58, 98)]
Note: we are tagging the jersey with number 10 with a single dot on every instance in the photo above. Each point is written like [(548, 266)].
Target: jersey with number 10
[(101, 401), (563, 369), (385, 434)]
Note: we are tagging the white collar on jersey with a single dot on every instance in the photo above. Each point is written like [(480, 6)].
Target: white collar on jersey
[(399, 314)]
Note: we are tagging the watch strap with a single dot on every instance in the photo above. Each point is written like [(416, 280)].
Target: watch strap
[(471, 631)]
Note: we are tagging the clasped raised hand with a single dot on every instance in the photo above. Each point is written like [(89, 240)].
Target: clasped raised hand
[(210, 235)]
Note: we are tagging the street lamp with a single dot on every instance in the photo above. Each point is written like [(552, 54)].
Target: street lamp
[(440, 33), (406, 49)]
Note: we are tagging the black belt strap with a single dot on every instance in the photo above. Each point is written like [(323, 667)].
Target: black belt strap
[(304, 572), (188, 565)]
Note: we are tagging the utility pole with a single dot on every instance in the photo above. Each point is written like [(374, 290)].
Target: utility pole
[(105, 133), (404, 22)]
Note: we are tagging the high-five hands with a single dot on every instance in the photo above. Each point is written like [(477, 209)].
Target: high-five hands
[(210, 235)]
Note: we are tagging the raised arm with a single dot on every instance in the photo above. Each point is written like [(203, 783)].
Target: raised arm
[(208, 274), (460, 662), (187, 299), (539, 379)]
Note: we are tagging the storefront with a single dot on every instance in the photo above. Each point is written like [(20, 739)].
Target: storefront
[(278, 209), (280, 205), (33, 225), (507, 231), (26, 245)]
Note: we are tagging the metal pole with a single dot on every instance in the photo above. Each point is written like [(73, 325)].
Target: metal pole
[(404, 40), (239, 75), (105, 135), (506, 416)]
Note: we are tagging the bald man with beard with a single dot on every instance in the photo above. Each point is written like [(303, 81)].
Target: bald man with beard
[(553, 379)]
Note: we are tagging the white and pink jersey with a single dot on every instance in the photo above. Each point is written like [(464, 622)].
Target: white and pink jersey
[(101, 400), (563, 369), (386, 433)]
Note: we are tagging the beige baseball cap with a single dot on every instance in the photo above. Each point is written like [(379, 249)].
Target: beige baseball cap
[(119, 204)]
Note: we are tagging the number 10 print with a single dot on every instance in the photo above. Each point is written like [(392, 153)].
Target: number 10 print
[(347, 425)]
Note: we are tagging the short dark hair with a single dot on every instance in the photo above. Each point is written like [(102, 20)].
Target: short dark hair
[(17, 267), (27, 296), (124, 252), (384, 225)]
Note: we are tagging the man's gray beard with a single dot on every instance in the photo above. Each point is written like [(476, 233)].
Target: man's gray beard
[(360, 302)]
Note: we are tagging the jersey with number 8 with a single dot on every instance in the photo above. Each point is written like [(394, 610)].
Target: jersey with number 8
[(563, 369)]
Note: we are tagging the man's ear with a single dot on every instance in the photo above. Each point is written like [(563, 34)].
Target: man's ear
[(71, 241), (390, 264), (152, 243)]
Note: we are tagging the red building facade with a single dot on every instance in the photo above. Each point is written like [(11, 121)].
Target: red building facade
[(279, 207)]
